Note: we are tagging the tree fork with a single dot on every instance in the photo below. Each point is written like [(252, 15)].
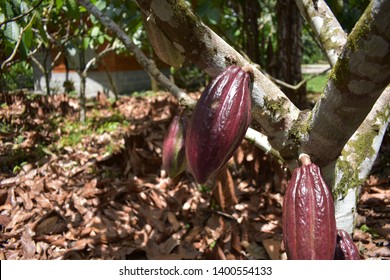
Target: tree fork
[(357, 80)]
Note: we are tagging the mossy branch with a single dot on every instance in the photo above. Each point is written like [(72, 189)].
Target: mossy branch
[(325, 25), (358, 78), (271, 109), (357, 159)]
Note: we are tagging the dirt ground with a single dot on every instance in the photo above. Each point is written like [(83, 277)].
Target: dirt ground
[(85, 202)]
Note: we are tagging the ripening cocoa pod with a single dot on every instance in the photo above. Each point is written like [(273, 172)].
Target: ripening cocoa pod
[(345, 247), (219, 122), (309, 224), (173, 153)]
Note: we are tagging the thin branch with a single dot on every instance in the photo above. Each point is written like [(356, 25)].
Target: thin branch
[(301, 83), (326, 27), (261, 141), (358, 78), (22, 15), (95, 59), (11, 57)]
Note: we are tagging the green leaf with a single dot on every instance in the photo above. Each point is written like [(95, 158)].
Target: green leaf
[(100, 4), (59, 4), (86, 42), (73, 9), (24, 7), (2, 17), (9, 13), (12, 31), (95, 31), (42, 32), (25, 46), (101, 39)]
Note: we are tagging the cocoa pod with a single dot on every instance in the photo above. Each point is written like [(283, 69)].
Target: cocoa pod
[(345, 247), (309, 224), (173, 153), (219, 122)]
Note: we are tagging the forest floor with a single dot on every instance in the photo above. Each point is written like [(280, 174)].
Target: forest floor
[(97, 191)]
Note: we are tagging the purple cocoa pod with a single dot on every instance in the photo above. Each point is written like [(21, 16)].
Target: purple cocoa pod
[(345, 248), (309, 224), (219, 122), (173, 153)]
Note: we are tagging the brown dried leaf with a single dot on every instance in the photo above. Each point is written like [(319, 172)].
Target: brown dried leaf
[(28, 244), (89, 190), (51, 223), (273, 248), (27, 202), (43, 202), (168, 245), (173, 221)]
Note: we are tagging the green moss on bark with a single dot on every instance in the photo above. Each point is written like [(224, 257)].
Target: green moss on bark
[(348, 166)]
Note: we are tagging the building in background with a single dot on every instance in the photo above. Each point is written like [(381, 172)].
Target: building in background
[(114, 71)]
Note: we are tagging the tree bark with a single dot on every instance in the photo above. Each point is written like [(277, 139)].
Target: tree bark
[(357, 159), (358, 78), (326, 27), (289, 51), (271, 109)]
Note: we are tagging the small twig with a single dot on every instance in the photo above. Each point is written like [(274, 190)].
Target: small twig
[(261, 141), (301, 83), (97, 58)]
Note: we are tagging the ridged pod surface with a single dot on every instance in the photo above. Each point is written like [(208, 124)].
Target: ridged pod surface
[(309, 224), (173, 153), (219, 122), (345, 249)]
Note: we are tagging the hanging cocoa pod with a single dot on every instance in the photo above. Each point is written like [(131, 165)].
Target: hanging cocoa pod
[(173, 153), (219, 122), (345, 247), (309, 224)]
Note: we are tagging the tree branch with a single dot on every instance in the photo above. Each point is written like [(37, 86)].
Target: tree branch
[(96, 58), (357, 159), (326, 27), (358, 78), (270, 107), (261, 141)]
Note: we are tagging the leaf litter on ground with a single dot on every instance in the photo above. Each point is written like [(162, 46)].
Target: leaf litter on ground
[(97, 191)]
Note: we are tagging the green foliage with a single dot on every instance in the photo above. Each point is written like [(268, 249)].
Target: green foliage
[(312, 53), (317, 84), (73, 132), (19, 75), (348, 12)]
